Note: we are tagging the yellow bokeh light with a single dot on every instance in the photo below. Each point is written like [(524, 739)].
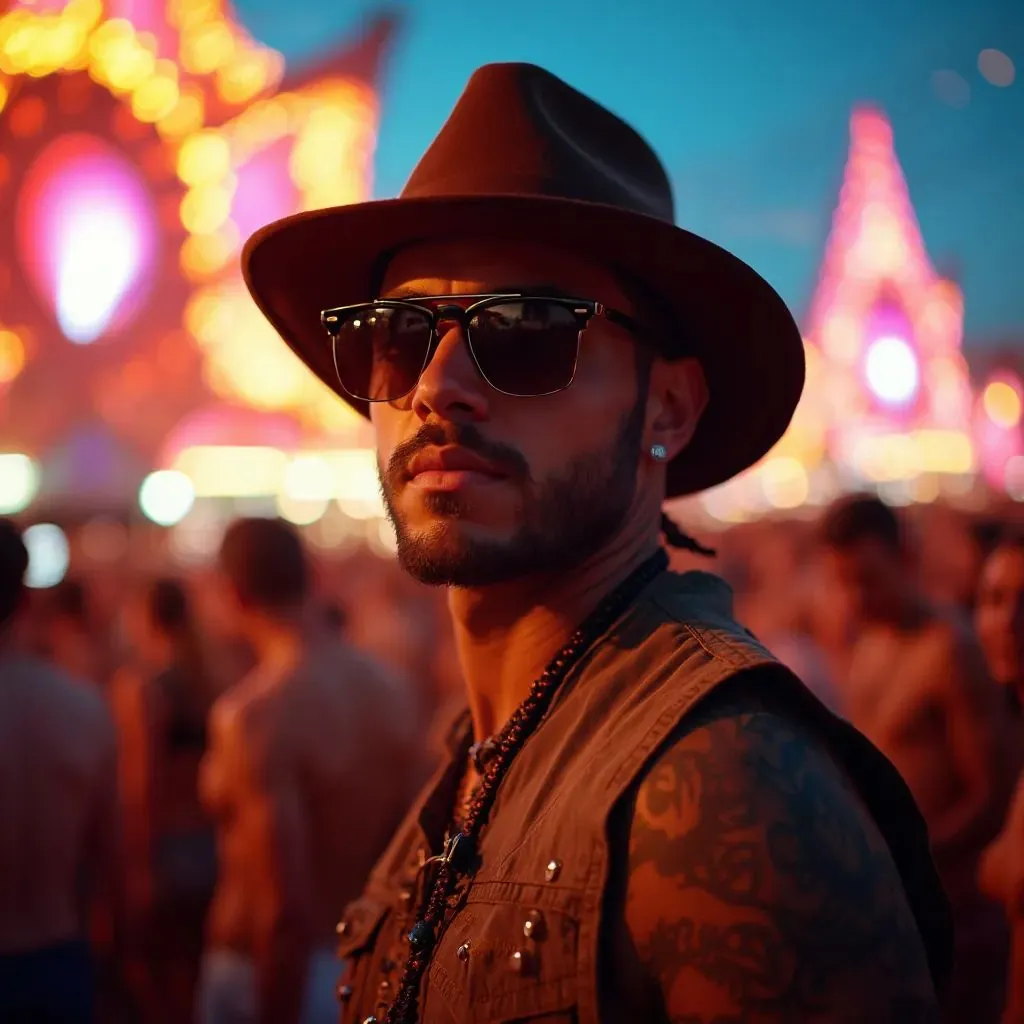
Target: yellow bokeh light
[(155, 98), (204, 157), (110, 34), (205, 208), (233, 471), (243, 78), (185, 118), (83, 12), (207, 48), (203, 255), (4, 93), (125, 65), (784, 481), (12, 356), (1002, 404)]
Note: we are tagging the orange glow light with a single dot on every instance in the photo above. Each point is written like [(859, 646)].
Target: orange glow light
[(12, 356), (1002, 404)]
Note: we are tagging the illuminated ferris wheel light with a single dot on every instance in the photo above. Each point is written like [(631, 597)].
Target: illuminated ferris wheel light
[(892, 370)]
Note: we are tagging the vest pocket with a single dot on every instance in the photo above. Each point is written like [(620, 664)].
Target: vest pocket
[(499, 962), (358, 932)]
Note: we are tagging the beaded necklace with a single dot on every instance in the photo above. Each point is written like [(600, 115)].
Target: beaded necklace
[(459, 855)]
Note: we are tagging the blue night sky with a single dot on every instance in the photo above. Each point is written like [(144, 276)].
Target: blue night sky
[(748, 110)]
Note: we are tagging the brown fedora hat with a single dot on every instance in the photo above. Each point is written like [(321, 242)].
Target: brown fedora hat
[(524, 155)]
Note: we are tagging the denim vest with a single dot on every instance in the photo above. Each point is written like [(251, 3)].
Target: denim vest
[(522, 941)]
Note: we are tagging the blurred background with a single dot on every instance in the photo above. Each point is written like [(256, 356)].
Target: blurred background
[(869, 161)]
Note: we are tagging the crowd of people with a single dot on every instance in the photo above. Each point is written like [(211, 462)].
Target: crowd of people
[(193, 789)]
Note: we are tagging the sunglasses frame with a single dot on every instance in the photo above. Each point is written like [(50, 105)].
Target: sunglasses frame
[(583, 309)]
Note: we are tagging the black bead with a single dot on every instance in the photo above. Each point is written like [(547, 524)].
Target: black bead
[(421, 936)]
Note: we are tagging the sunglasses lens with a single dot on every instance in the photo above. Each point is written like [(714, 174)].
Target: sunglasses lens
[(526, 347), (380, 351)]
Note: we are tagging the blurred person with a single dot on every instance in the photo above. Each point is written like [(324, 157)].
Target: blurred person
[(918, 688), (310, 769), (777, 606), (642, 816), (58, 822), (71, 637), (999, 617), (161, 701)]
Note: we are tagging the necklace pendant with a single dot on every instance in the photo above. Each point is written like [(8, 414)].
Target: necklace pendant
[(482, 753), (458, 852), (421, 936)]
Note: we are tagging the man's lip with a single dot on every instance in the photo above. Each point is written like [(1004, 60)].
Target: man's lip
[(452, 458)]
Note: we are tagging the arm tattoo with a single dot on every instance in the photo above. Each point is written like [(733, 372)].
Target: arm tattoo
[(759, 880)]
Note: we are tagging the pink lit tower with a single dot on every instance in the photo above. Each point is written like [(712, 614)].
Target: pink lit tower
[(892, 393)]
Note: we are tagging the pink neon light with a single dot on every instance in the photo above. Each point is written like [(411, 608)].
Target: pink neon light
[(265, 191), (86, 233)]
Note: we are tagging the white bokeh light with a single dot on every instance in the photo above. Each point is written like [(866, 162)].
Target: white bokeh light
[(98, 263), (48, 555), (166, 497), (19, 482), (892, 370)]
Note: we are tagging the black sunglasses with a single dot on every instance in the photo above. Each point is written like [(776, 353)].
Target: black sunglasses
[(522, 345)]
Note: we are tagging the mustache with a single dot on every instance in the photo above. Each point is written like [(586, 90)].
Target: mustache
[(462, 435)]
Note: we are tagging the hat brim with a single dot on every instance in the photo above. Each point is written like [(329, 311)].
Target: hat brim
[(730, 318)]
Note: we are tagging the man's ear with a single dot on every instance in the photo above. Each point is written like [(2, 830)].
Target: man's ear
[(677, 399)]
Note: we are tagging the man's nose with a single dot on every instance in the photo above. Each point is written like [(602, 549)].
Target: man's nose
[(450, 386)]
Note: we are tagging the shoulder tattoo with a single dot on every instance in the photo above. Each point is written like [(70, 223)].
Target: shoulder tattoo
[(759, 888)]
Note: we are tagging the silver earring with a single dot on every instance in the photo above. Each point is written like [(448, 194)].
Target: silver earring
[(659, 452)]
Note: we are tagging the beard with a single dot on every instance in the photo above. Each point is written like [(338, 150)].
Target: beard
[(563, 520)]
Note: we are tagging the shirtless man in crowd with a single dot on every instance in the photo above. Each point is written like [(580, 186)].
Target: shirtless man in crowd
[(918, 688), (58, 820), (312, 763)]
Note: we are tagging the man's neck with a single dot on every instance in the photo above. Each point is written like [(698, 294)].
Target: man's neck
[(508, 633)]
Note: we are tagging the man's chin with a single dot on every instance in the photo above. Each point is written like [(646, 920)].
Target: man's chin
[(456, 553)]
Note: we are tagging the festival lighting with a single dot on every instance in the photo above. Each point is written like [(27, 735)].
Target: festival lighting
[(166, 497), (86, 231), (891, 370), (1002, 403), (48, 555), (12, 356), (19, 482), (888, 399), (998, 429)]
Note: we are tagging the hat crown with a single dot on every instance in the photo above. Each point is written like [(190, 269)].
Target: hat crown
[(519, 130)]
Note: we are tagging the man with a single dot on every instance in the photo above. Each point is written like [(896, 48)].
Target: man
[(918, 688), (310, 768), (643, 816), (58, 820)]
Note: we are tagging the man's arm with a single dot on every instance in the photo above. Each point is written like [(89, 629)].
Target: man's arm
[(272, 822), (759, 889)]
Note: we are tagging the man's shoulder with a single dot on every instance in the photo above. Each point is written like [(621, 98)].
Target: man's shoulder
[(756, 870), (694, 610)]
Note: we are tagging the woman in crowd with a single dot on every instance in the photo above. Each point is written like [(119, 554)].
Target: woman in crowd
[(999, 618), (161, 701)]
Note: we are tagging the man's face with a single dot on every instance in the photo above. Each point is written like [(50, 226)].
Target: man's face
[(866, 577), (557, 475)]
